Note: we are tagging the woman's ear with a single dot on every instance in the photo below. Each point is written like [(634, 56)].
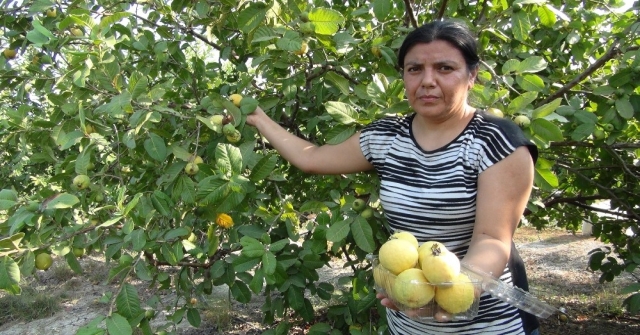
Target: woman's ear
[(472, 77)]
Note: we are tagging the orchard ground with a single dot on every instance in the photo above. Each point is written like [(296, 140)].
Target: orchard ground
[(556, 261)]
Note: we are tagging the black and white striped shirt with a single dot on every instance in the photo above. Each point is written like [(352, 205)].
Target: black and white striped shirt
[(432, 194)]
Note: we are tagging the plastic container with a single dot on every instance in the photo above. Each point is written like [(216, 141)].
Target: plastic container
[(431, 310), (512, 295)]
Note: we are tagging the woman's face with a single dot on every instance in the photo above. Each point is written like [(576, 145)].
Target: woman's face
[(436, 80)]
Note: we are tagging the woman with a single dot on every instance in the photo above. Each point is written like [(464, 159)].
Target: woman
[(448, 172)]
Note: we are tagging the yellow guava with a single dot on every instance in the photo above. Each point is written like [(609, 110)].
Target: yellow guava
[(457, 297), (383, 279), (405, 235), (412, 289), (439, 264), (397, 255)]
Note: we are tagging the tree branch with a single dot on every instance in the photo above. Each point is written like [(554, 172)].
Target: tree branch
[(612, 52), (409, 15), (443, 7)]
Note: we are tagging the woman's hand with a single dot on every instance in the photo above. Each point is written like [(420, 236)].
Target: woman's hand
[(255, 116)]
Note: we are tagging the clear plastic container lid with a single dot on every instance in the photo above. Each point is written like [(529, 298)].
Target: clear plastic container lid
[(512, 295)]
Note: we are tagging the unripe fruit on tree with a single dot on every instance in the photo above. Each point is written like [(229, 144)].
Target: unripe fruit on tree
[(234, 137), (76, 32), (495, 112), (358, 205), (598, 134), (608, 127), (9, 53), (88, 129), (193, 301), (51, 12), (376, 51), (196, 159), (217, 119), (522, 121), (81, 181), (235, 98), (228, 129), (307, 28), (78, 252), (43, 261), (367, 213), (191, 169), (304, 17)]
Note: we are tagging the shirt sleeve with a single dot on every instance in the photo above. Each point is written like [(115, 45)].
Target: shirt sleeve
[(501, 137)]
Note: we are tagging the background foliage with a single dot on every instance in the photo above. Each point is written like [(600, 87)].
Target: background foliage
[(129, 92)]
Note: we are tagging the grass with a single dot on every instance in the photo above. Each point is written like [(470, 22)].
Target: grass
[(217, 313), (32, 304)]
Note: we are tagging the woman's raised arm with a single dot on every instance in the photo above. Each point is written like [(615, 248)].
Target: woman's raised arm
[(346, 157)]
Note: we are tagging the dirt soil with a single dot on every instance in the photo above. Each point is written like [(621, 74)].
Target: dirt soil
[(556, 263)]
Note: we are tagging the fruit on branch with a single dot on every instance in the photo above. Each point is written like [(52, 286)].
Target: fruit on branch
[(191, 169), (51, 12), (522, 121), (10, 53), (43, 261), (81, 181), (358, 205), (223, 220), (235, 98), (304, 48), (495, 112)]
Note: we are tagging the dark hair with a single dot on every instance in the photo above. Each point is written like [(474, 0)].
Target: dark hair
[(456, 33)]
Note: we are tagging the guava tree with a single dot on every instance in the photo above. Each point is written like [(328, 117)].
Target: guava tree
[(122, 134)]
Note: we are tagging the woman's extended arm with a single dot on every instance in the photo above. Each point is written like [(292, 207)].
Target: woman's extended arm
[(503, 192), (345, 157)]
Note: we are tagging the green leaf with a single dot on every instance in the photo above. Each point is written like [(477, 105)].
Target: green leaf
[(93, 328), (340, 82), (341, 112), (546, 109), (382, 9), (193, 316), (161, 203), (327, 21), (11, 243), (252, 16), (546, 179), (269, 263), (520, 26), (295, 297), (547, 130), (521, 102), (73, 263), (338, 231), (8, 199), (156, 147), (118, 325), (9, 275), (263, 168), (532, 64), (624, 107), (547, 16), (339, 134), (128, 302), (363, 234), (240, 292), (229, 158), (530, 82), (62, 200)]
